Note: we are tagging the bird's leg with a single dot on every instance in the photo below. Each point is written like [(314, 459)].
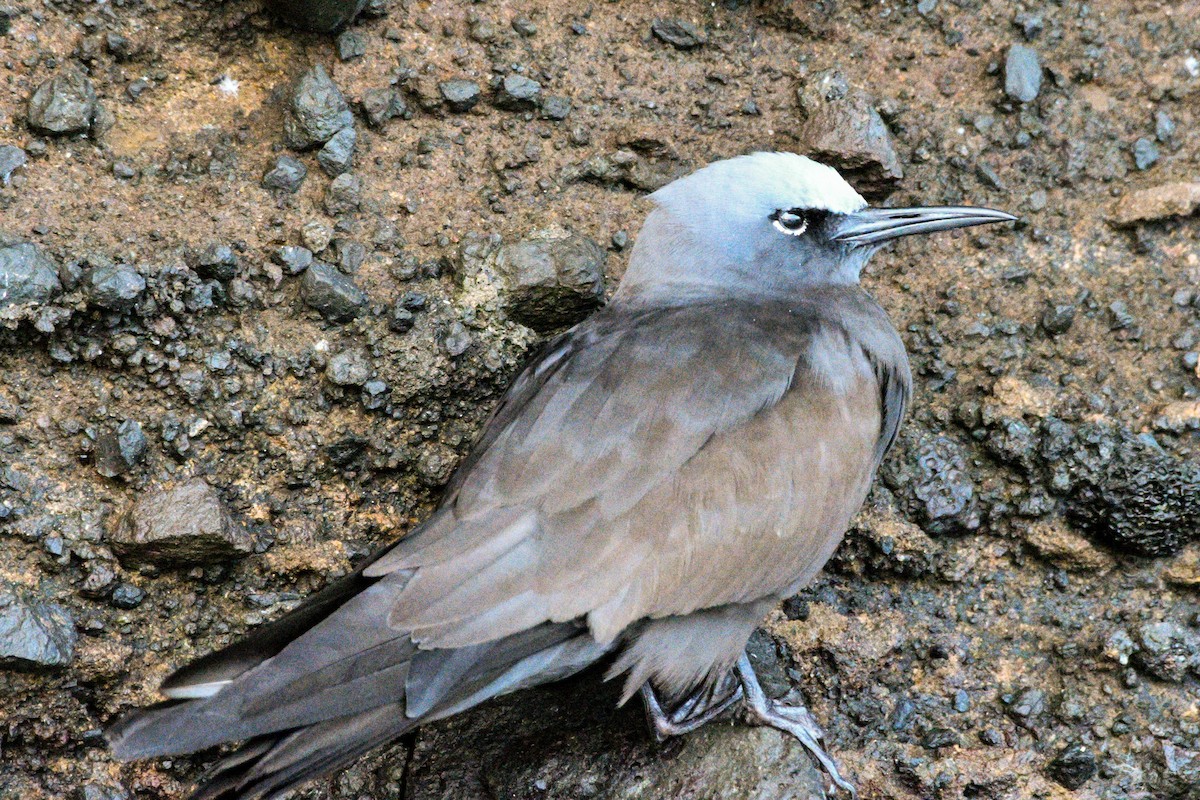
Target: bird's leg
[(697, 710), (796, 720)]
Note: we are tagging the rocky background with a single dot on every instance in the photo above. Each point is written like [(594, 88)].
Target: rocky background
[(259, 288)]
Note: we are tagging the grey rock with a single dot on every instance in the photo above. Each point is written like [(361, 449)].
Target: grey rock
[(338, 153), (286, 176), (317, 111), (518, 92), (457, 339), (322, 16), (33, 634), (934, 486), (104, 790), (116, 287), (316, 236), (27, 275), (335, 295), (179, 525), (349, 368), (351, 45), (1164, 126), (1145, 153), (680, 34), (556, 107), (118, 452), (1022, 73), (12, 158), (380, 105), (294, 259), (524, 26), (551, 279), (344, 194), (1167, 651), (63, 104), (350, 255), (842, 128), (459, 94), (1074, 766), (1058, 318), (127, 596), (217, 261)]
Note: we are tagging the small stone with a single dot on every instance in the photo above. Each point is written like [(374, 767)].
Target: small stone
[(322, 16), (460, 95), (184, 524), (351, 45), (926, 7), (1167, 651), (127, 596), (330, 292), (1058, 318), (294, 259), (518, 93), (64, 104), (1027, 703), (286, 176), (119, 452), (942, 487), (1155, 203), (350, 255), (217, 261), (116, 287), (27, 275), (555, 107), (317, 111), (1073, 766), (401, 320), (1030, 24), (680, 34), (348, 368), (12, 158), (337, 154), (124, 170), (940, 737), (1145, 153), (380, 105), (552, 278), (1022, 73), (316, 236), (524, 26), (457, 339), (344, 194), (1164, 127), (34, 634)]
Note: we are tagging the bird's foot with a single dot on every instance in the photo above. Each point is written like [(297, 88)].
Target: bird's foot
[(796, 720), (694, 712)]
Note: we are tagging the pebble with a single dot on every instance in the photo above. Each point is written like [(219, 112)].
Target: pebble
[(1164, 127), (350, 255), (34, 634), (556, 107), (460, 95), (942, 487), (64, 104), (1022, 73), (1074, 766), (338, 153), (380, 105), (27, 275), (348, 368), (524, 26), (1145, 153), (551, 279), (351, 45), (316, 236), (1157, 202), (456, 341), (217, 261), (322, 16), (116, 287), (316, 112), (294, 259), (127, 596), (287, 175), (1058, 318), (182, 524), (518, 93), (343, 195), (680, 34), (118, 452), (1167, 651), (12, 158), (336, 296)]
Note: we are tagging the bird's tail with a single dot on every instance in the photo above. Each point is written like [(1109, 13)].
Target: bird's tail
[(326, 683)]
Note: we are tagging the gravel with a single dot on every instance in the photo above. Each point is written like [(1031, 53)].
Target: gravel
[(344, 194), (460, 95), (12, 158), (120, 451), (116, 287), (518, 93), (181, 524)]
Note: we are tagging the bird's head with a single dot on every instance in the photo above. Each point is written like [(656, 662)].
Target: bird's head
[(767, 223)]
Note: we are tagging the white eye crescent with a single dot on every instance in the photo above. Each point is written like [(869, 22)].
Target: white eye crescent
[(792, 221)]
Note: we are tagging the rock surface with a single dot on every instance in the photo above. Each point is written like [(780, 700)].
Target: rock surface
[(179, 525)]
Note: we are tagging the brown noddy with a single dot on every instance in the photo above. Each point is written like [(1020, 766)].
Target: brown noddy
[(652, 484)]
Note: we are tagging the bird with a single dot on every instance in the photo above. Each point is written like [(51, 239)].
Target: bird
[(650, 486)]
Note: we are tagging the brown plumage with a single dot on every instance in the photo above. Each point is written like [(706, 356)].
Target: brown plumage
[(652, 484)]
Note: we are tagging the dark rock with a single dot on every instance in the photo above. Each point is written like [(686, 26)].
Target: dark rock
[(343, 195), (460, 95), (64, 104), (524, 26), (338, 153), (940, 737), (350, 255), (180, 525), (1145, 153), (217, 261), (1074, 766), (119, 452), (1167, 651), (842, 128), (380, 105), (1180, 773), (349, 368), (552, 278), (116, 287), (322, 16), (27, 275), (1058, 318), (33, 634), (680, 34), (401, 320), (556, 108), (518, 93), (1022, 73), (330, 292), (294, 259), (351, 45), (12, 158), (934, 485), (317, 111), (286, 176), (127, 596)]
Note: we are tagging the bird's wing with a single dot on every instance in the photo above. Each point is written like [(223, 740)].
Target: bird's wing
[(653, 463)]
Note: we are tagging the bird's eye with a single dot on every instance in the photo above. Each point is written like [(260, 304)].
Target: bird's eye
[(792, 221)]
